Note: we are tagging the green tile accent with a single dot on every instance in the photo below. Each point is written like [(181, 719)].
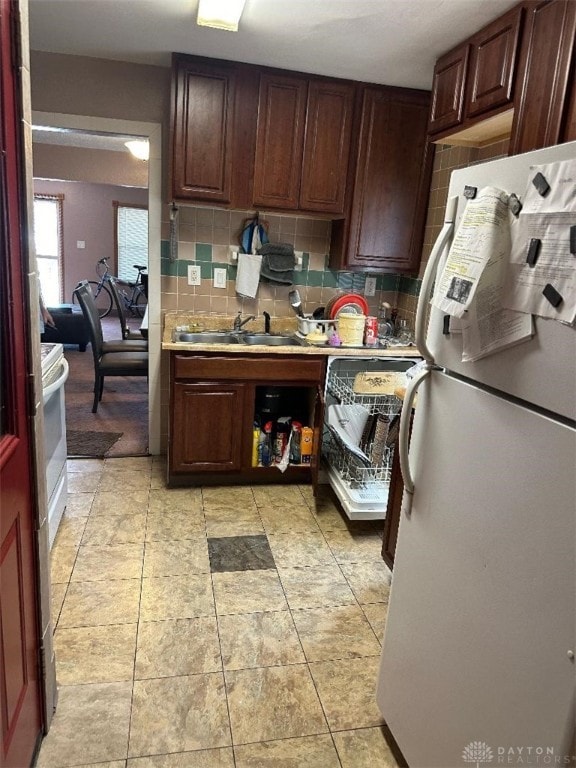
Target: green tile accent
[(232, 271), (345, 280), (315, 278), (203, 252), (164, 249), (305, 261), (183, 267), (299, 278), (206, 270), (330, 279), (387, 282), (168, 268), (358, 283), (410, 285)]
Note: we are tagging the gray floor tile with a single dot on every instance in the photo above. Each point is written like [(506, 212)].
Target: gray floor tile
[(240, 553)]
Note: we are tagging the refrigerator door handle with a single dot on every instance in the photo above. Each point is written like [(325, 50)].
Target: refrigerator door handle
[(404, 435), (430, 277)]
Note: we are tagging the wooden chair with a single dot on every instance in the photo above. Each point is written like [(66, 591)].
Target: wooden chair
[(110, 358), (126, 332)]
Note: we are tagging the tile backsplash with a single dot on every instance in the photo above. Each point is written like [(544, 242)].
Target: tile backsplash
[(204, 237)]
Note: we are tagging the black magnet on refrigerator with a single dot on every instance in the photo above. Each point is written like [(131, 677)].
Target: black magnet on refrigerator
[(470, 192), (446, 325), (552, 295), (533, 251), (541, 184), (573, 240)]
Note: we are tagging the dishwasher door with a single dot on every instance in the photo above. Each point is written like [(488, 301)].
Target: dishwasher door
[(361, 479)]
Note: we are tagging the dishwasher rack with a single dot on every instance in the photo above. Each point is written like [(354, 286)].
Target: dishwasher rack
[(364, 486)]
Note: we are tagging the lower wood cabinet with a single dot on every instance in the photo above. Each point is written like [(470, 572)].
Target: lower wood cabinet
[(207, 427), (214, 401)]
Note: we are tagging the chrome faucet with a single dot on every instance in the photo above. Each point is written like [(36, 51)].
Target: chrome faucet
[(266, 322), (238, 322)]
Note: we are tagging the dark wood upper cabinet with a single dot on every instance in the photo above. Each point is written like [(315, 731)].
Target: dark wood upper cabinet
[(279, 141), (493, 53), (547, 69), (569, 130), (302, 143), (202, 130), (384, 230), (326, 146), (448, 89)]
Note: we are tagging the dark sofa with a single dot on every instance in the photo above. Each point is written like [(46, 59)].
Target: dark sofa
[(70, 328)]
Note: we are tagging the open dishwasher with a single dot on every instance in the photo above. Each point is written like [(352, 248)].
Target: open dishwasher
[(360, 428)]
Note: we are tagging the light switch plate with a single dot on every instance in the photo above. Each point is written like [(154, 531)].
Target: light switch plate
[(194, 275), (219, 278), (370, 286)]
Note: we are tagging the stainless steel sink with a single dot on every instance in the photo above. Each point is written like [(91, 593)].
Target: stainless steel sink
[(270, 340), (207, 337)]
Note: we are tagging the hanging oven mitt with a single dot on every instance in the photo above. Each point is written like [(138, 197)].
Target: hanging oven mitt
[(254, 234)]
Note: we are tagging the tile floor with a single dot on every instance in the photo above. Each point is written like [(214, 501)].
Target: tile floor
[(213, 627)]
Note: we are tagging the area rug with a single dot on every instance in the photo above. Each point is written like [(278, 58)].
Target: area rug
[(94, 444)]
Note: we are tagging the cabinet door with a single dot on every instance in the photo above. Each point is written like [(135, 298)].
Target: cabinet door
[(493, 64), (326, 146), (318, 411), (546, 59), (569, 132), (202, 128), (279, 141), (447, 107), (388, 201), (206, 432)]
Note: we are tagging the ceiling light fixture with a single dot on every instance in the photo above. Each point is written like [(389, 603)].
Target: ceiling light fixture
[(139, 148), (220, 14)]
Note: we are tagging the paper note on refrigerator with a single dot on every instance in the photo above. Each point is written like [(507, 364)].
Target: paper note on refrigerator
[(541, 276), (482, 240)]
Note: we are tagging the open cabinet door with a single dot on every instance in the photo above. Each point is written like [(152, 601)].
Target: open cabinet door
[(20, 703), (318, 426)]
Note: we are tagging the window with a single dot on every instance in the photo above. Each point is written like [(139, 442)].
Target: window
[(131, 239), (48, 241)]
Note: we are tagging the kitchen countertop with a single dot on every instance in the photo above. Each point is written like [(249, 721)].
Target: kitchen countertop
[(279, 325)]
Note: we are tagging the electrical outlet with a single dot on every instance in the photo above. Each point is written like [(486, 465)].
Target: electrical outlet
[(370, 286), (219, 278), (194, 275)]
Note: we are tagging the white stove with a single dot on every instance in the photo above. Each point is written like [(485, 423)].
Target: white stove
[(54, 375)]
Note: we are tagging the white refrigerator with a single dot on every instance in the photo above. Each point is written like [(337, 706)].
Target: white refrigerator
[(478, 663)]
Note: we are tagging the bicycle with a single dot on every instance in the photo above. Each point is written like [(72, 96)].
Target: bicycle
[(135, 301)]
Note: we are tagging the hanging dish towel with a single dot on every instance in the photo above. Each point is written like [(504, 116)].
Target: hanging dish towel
[(248, 275), (278, 261)]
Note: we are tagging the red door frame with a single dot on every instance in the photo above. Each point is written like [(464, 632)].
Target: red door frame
[(21, 708)]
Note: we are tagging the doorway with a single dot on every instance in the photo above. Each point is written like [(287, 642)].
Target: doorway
[(151, 132)]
